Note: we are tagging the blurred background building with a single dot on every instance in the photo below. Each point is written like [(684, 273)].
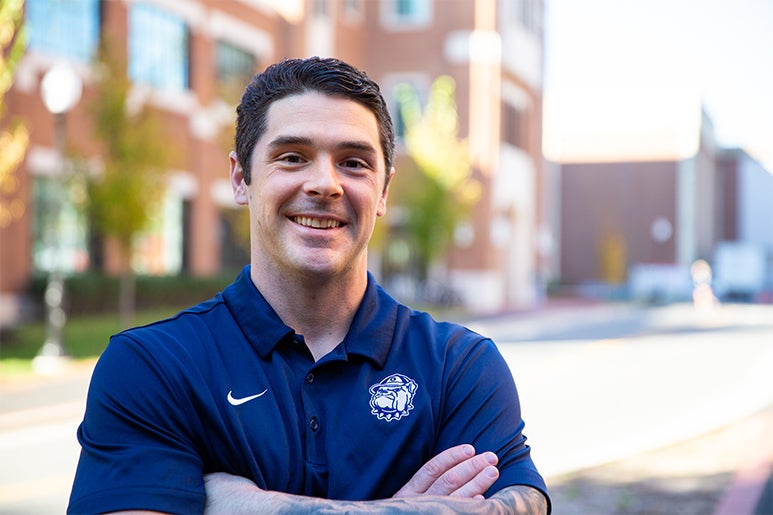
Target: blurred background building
[(190, 59), (648, 192), (610, 212)]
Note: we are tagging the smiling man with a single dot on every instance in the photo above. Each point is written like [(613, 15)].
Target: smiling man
[(304, 386)]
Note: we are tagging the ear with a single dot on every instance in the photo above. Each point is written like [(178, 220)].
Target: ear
[(238, 186), (382, 202)]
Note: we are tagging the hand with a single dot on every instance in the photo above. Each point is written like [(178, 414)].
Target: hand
[(456, 472)]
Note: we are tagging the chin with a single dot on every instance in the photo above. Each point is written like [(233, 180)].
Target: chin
[(325, 269)]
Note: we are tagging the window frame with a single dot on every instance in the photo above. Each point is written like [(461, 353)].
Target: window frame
[(70, 30), (143, 49), (421, 17)]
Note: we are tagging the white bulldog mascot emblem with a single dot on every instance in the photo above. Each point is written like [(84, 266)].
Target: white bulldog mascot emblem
[(392, 398)]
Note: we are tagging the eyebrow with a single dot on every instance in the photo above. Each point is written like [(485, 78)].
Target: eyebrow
[(282, 141)]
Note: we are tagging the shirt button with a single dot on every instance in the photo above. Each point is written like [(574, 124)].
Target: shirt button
[(310, 377), (314, 424)]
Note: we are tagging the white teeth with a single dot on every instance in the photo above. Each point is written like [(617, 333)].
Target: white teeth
[(317, 223)]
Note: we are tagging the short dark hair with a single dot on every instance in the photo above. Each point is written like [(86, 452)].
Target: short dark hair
[(297, 76)]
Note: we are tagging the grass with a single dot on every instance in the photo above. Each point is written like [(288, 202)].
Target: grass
[(84, 337)]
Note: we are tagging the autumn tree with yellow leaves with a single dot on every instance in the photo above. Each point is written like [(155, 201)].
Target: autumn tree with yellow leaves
[(14, 137), (121, 197), (445, 190)]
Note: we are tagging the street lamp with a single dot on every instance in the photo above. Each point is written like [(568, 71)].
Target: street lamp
[(61, 89)]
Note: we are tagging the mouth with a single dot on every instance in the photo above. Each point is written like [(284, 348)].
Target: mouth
[(317, 223)]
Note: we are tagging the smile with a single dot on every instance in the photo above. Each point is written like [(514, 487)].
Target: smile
[(316, 223)]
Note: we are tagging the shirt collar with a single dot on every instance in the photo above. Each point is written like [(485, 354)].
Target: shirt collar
[(258, 321), (370, 334), (373, 327)]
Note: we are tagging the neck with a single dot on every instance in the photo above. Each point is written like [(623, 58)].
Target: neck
[(320, 309)]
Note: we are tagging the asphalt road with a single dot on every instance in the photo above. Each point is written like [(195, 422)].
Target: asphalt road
[(605, 382), (597, 383)]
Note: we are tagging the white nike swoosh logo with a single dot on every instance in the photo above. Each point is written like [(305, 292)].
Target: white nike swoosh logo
[(235, 402)]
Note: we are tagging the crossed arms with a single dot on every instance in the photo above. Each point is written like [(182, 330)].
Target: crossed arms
[(454, 481)]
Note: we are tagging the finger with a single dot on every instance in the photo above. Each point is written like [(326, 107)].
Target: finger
[(463, 474), (479, 485), (434, 469)]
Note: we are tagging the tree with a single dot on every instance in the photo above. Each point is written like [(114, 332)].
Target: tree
[(445, 191), (14, 139), (123, 196)]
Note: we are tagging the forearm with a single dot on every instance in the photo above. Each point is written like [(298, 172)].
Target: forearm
[(243, 497), (277, 502)]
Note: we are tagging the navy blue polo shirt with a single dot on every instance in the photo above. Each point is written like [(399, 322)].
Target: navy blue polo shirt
[(226, 386)]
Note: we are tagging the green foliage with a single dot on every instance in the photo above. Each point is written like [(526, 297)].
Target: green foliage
[(93, 293), (12, 38), (85, 337), (445, 190), (91, 300), (15, 138), (123, 196), (432, 137)]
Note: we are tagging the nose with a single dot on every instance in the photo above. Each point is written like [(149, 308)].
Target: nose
[(323, 180)]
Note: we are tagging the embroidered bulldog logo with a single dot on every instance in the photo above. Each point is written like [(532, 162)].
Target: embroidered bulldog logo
[(392, 398)]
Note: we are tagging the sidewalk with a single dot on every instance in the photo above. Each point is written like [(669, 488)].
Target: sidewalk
[(723, 472), (37, 399)]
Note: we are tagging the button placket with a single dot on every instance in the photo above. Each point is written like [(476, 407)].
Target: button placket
[(313, 423)]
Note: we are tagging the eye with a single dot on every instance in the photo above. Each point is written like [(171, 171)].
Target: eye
[(291, 158), (354, 164)]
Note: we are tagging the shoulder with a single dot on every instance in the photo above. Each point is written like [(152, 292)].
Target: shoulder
[(159, 362), (180, 341), (450, 336), (454, 347), (190, 325)]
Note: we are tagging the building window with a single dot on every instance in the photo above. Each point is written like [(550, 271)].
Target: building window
[(402, 92), (406, 14), (321, 9), (235, 68), (158, 250), (513, 126), (398, 121), (530, 15), (60, 239), (158, 48), (234, 239), (404, 87), (63, 28), (353, 10)]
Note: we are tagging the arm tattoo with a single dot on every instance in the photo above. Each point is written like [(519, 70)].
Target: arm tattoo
[(240, 496), (514, 500), (521, 499)]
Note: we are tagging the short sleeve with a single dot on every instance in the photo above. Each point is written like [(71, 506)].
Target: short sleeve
[(481, 407), (136, 450)]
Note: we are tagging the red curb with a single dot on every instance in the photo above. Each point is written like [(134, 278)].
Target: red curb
[(756, 467)]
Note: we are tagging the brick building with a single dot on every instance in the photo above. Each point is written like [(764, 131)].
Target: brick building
[(188, 59), (647, 191)]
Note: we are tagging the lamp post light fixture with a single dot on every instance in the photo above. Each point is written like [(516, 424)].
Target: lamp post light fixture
[(61, 90)]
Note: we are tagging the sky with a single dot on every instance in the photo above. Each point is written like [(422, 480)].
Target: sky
[(629, 62)]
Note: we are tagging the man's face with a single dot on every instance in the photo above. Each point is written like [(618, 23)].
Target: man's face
[(317, 186)]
